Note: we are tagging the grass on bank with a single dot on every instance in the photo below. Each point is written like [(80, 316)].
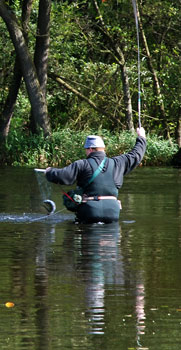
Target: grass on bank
[(66, 146)]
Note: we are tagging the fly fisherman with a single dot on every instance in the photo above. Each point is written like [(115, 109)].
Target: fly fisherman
[(99, 177)]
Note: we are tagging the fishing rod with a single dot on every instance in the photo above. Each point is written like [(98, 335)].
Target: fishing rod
[(139, 70)]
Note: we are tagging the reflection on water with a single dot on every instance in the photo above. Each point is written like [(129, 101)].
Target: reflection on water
[(140, 312), (113, 286), (99, 264)]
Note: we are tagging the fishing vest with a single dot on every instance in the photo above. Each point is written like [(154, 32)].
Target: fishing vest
[(103, 184)]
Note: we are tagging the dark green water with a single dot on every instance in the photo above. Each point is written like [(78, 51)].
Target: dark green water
[(94, 287)]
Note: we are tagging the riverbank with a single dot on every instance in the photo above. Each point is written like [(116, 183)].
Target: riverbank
[(66, 146)]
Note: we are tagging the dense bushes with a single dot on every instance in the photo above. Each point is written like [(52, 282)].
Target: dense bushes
[(66, 146)]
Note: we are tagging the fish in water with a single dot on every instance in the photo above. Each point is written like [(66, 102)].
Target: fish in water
[(49, 205)]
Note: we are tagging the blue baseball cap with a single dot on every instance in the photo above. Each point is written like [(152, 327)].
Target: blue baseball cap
[(93, 141)]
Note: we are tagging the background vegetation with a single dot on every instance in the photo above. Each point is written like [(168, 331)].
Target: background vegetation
[(65, 146), (72, 65)]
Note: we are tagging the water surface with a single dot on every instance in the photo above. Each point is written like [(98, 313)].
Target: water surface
[(115, 286)]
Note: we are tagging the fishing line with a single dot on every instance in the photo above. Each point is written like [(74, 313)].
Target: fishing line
[(139, 71), (45, 190), (44, 185), (47, 216)]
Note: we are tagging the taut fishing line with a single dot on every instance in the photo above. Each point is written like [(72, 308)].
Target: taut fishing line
[(139, 71)]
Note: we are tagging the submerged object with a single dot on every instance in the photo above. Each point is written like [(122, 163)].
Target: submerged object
[(49, 205)]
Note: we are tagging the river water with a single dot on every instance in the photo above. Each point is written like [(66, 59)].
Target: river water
[(91, 287)]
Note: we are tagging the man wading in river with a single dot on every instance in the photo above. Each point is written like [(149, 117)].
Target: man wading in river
[(98, 178)]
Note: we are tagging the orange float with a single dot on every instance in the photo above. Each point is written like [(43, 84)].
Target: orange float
[(9, 304)]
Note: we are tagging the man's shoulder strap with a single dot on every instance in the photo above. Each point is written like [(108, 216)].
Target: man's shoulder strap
[(97, 171)]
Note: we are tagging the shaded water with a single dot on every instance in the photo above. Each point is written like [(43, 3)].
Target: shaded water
[(114, 286)]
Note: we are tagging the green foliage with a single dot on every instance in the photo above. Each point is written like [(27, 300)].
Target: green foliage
[(66, 146), (81, 55), (159, 151), (85, 58)]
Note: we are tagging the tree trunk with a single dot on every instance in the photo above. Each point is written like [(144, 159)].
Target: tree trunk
[(126, 90), (176, 161), (41, 50), (154, 76), (7, 113), (42, 43), (36, 97), (178, 131)]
